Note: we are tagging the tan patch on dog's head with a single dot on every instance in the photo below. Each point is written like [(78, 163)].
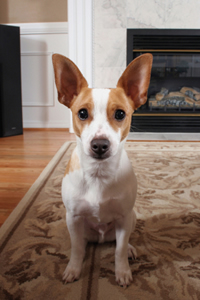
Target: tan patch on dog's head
[(83, 101), (119, 101)]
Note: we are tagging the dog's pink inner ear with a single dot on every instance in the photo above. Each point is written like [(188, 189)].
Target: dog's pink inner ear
[(135, 79), (69, 80)]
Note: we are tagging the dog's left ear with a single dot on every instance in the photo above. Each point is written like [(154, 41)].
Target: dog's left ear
[(136, 78)]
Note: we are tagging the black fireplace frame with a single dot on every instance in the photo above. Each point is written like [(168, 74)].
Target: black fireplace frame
[(189, 41)]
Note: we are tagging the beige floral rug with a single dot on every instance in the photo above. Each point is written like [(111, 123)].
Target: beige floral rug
[(35, 245)]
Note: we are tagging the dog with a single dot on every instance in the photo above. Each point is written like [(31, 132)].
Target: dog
[(99, 186)]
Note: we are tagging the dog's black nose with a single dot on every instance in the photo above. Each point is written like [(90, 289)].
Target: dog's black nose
[(100, 147)]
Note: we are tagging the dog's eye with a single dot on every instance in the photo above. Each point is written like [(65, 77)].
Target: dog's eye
[(120, 115), (83, 114)]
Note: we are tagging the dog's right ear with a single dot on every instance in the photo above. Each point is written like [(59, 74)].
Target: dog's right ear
[(69, 80), (136, 78)]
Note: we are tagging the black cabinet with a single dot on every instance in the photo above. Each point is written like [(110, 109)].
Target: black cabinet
[(10, 81)]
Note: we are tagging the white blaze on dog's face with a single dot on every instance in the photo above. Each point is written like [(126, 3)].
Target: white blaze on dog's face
[(102, 114), (102, 117)]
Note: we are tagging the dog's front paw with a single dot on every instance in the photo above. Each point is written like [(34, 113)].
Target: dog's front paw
[(71, 273), (124, 277)]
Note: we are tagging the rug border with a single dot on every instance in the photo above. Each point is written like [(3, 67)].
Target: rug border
[(14, 217)]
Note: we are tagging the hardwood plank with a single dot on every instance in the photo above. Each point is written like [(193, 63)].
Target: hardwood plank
[(22, 159)]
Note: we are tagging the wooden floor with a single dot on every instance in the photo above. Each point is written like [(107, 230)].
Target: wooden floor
[(22, 159)]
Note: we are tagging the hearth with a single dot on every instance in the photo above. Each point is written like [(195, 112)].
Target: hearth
[(173, 103)]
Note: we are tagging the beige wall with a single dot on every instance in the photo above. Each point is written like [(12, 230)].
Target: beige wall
[(31, 11)]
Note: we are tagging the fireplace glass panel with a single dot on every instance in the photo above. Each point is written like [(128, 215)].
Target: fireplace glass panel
[(173, 103), (175, 82)]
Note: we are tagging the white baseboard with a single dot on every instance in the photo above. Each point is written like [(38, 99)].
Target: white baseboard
[(164, 136), (27, 124)]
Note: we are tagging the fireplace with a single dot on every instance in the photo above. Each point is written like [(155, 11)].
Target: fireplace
[(173, 103)]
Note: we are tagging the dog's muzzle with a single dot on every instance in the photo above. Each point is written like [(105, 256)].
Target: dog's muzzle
[(100, 148)]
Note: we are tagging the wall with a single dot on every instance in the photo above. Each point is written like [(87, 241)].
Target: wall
[(29, 11), (113, 17), (39, 96), (44, 31)]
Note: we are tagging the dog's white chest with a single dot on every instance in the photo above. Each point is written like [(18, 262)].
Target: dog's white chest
[(91, 201), (96, 200)]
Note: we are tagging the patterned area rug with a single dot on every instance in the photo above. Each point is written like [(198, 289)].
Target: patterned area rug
[(35, 245)]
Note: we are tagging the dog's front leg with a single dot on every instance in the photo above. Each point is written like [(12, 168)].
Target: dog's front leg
[(78, 244), (123, 230)]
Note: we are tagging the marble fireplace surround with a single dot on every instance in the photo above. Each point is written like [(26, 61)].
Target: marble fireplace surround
[(104, 24)]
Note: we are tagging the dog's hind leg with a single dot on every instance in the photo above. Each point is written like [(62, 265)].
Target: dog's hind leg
[(132, 253)]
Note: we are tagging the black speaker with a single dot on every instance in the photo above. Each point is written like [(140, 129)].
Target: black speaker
[(10, 81)]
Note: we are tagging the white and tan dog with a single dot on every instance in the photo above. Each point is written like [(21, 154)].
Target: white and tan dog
[(99, 187)]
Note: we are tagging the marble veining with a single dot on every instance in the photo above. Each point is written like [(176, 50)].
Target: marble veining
[(110, 13), (110, 46), (113, 17), (151, 13), (110, 76)]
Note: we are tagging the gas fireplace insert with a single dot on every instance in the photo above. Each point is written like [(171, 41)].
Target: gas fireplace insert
[(173, 103)]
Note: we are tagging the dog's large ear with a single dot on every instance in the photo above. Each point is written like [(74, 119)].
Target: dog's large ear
[(135, 79), (69, 80)]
